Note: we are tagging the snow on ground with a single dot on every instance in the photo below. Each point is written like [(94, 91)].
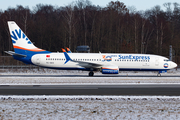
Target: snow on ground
[(89, 107), (85, 80)]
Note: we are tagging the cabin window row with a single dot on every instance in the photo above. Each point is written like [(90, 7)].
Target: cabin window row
[(74, 59), (87, 59), (54, 59)]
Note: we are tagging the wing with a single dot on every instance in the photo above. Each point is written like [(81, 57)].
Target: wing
[(87, 64), (81, 63)]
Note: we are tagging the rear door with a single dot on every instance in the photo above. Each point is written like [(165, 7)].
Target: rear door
[(38, 59)]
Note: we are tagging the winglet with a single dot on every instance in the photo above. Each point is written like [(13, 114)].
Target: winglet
[(66, 56), (63, 50), (69, 51)]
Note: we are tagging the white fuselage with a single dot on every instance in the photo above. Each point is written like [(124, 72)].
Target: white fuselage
[(128, 62)]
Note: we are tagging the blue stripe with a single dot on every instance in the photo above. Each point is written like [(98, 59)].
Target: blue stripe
[(27, 52), (67, 68), (88, 69), (140, 69)]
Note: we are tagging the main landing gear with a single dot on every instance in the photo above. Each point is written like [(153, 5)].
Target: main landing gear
[(91, 73), (159, 74)]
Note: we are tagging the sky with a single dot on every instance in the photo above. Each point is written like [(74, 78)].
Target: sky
[(138, 4)]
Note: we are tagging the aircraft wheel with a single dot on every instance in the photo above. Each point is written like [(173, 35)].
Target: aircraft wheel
[(91, 73), (159, 75)]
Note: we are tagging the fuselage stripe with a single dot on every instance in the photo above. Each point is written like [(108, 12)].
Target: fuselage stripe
[(34, 49)]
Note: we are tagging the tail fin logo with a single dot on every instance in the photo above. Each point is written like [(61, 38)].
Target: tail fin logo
[(19, 35)]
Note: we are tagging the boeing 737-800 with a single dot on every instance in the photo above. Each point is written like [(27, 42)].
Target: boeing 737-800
[(107, 63)]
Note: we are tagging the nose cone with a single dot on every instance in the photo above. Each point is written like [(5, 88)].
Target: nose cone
[(173, 65)]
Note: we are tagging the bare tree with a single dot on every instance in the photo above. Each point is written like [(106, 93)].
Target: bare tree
[(82, 4), (69, 18)]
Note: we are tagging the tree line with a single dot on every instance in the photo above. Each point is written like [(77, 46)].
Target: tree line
[(111, 29)]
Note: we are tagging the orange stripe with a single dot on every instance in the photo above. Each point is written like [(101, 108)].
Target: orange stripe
[(109, 68), (107, 59), (35, 49)]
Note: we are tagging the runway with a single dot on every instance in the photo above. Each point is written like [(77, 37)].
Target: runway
[(92, 89), (33, 84), (103, 76)]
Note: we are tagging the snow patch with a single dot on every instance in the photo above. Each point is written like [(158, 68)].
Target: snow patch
[(89, 107)]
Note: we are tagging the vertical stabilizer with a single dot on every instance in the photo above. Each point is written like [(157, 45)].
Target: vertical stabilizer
[(20, 41)]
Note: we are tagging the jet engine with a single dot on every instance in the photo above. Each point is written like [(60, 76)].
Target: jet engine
[(110, 70)]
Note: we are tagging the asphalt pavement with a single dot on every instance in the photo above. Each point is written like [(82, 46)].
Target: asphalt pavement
[(92, 89)]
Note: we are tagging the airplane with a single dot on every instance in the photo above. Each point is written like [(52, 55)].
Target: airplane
[(106, 63)]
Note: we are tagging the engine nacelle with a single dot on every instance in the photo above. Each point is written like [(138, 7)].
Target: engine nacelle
[(110, 70)]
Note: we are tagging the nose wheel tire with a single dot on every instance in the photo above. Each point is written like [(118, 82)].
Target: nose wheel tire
[(91, 73)]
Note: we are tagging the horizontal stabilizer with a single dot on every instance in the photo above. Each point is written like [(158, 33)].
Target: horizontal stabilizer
[(15, 54)]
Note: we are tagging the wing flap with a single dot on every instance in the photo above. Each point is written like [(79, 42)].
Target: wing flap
[(87, 64)]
